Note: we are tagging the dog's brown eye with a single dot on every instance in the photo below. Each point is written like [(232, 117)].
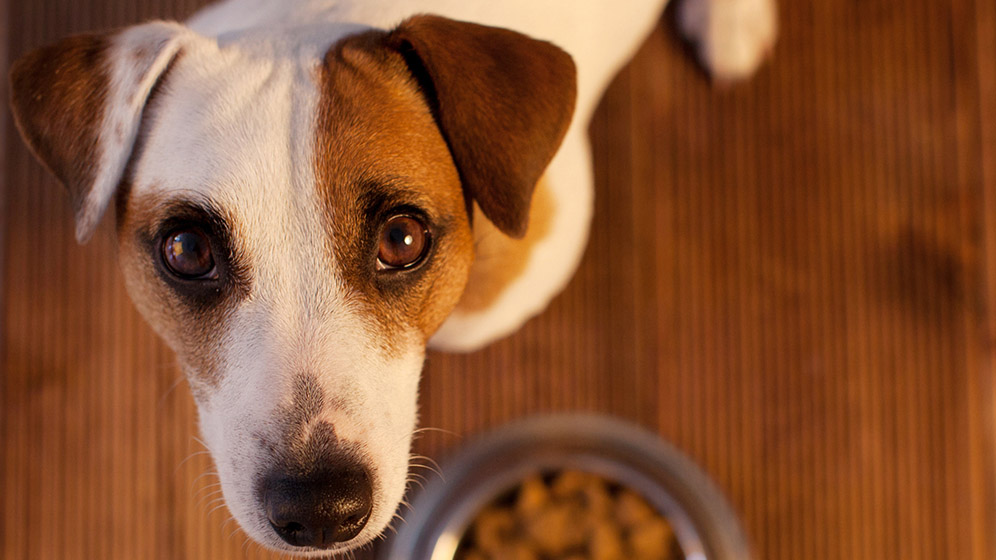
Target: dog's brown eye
[(187, 253), (403, 242)]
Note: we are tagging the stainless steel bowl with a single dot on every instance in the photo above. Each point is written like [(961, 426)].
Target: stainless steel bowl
[(703, 522)]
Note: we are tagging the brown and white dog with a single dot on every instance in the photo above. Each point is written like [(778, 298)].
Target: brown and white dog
[(309, 193)]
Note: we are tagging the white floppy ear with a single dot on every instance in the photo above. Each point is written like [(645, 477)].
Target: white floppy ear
[(78, 104)]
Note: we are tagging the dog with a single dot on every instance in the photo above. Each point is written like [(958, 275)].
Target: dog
[(309, 193)]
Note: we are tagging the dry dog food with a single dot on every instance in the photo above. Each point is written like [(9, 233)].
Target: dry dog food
[(569, 515)]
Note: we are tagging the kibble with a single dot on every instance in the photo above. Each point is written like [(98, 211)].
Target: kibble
[(569, 515)]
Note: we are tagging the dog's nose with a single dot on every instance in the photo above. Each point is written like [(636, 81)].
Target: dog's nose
[(319, 509)]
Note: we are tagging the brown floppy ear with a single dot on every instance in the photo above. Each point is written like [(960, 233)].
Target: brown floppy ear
[(78, 105), (503, 102)]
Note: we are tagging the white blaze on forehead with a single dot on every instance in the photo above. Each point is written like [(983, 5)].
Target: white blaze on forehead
[(235, 127)]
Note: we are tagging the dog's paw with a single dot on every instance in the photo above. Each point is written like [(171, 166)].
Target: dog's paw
[(733, 37)]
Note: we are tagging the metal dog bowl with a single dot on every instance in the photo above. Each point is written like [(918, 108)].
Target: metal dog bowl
[(702, 520)]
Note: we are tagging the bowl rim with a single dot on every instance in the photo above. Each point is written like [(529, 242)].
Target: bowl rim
[(704, 523)]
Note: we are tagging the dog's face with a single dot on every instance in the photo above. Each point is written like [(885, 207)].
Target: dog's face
[(293, 221), (267, 244)]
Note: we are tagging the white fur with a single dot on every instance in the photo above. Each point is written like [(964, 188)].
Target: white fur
[(732, 36), (131, 81), (235, 127)]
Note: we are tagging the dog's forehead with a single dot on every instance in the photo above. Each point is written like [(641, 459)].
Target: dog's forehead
[(233, 117)]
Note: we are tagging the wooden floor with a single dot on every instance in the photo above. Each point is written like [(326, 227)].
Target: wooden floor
[(793, 280)]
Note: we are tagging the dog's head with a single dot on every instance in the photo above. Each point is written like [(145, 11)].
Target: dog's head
[(294, 221)]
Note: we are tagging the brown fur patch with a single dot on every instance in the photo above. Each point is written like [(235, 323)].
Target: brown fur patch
[(503, 102), (58, 98), (379, 152), (501, 259), (191, 316)]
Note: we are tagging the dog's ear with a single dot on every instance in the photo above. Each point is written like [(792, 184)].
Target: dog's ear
[(78, 104), (502, 100)]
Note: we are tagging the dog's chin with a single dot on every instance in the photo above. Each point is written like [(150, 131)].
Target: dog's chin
[(275, 544)]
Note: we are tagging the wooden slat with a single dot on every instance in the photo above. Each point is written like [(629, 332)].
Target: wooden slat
[(791, 279), (982, 398)]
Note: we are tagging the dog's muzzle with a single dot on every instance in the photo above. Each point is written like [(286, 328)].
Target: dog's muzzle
[(318, 509)]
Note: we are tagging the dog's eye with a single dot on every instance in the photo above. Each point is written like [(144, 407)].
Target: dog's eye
[(187, 254), (404, 241)]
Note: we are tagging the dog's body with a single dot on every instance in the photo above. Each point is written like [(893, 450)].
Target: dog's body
[(304, 202)]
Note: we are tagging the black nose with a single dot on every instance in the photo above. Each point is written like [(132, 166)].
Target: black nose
[(318, 509)]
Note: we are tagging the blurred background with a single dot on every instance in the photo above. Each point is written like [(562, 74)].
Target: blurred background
[(791, 279)]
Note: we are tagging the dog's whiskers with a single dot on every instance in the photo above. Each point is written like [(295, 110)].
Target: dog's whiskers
[(417, 477), (213, 505), (394, 518), (205, 473), (220, 504), (419, 431), (188, 458), (180, 379), (214, 493), (415, 482), (237, 527), (213, 485), (209, 494), (435, 469), (200, 476), (390, 528), (210, 498), (415, 461), (245, 544)]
